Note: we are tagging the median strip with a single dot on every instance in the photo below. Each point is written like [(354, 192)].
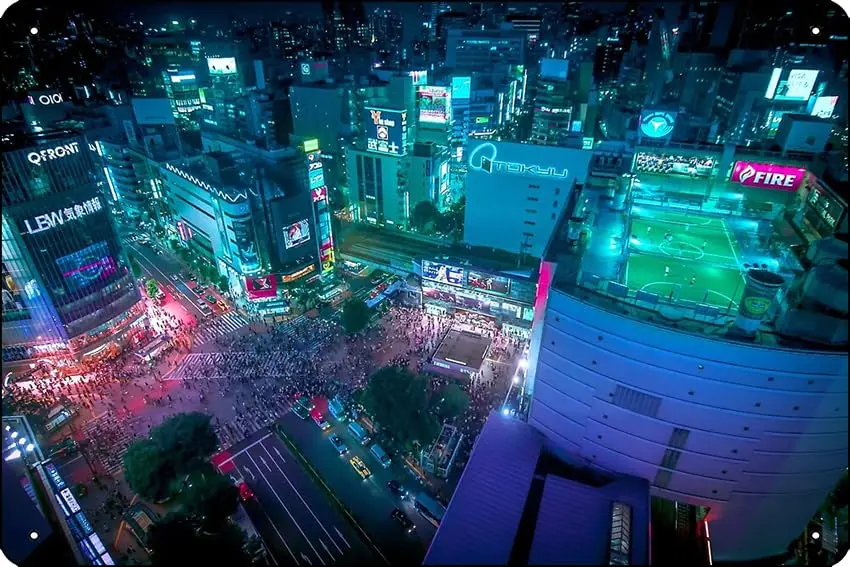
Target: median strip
[(315, 474)]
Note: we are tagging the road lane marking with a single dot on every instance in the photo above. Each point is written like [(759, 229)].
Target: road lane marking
[(322, 543), (74, 460), (262, 460), (342, 537), (288, 513), (279, 455), (247, 470), (307, 559), (155, 267), (321, 525), (234, 455), (277, 531)]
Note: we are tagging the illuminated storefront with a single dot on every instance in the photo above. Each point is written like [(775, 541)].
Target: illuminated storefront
[(65, 277)]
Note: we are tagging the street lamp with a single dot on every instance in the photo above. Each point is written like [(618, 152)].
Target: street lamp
[(523, 364)]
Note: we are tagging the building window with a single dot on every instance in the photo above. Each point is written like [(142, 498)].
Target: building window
[(557, 190), (555, 204), (533, 199), (531, 211), (530, 223)]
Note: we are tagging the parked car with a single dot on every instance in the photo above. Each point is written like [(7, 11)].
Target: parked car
[(403, 520)]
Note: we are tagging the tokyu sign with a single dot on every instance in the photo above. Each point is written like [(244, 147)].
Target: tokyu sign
[(767, 175), (59, 217), (50, 154), (483, 158)]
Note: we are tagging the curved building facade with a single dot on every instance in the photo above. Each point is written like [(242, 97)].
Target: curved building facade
[(67, 288)]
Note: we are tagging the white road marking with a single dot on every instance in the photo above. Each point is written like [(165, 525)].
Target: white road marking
[(277, 531), (247, 470), (288, 513), (278, 454), (234, 455), (321, 525), (307, 559), (342, 537), (326, 549), (262, 460)]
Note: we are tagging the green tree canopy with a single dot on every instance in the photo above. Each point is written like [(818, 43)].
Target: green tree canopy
[(135, 266), (450, 402), (176, 541), (223, 283), (355, 315), (306, 295), (152, 287), (210, 498), (399, 401), (423, 215), (188, 439), (148, 471)]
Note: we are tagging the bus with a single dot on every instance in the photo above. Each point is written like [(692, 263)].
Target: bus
[(58, 416), (337, 409), (381, 456), (429, 508), (303, 407), (359, 433)]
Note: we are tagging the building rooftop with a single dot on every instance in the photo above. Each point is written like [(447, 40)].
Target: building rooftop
[(517, 503)]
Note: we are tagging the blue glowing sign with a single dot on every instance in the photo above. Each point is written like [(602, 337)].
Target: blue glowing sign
[(483, 158), (461, 87), (657, 124)]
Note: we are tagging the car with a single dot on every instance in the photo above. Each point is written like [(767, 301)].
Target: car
[(211, 299), (320, 420), (175, 277), (397, 489), (402, 520), (245, 492), (358, 465), (338, 444)]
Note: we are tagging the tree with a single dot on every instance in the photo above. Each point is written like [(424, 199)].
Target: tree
[(176, 541), (210, 498), (355, 315), (152, 287), (450, 402), (423, 215), (148, 470), (26, 406), (223, 284), (187, 438), (306, 295), (398, 400), (135, 266)]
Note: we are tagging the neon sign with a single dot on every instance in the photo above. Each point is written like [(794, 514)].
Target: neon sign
[(45, 99), (657, 124), (50, 154), (487, 162), (61, 216)]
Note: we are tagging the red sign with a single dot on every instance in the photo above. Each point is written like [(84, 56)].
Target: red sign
[(768, 175), (320, 194), (261, 288)]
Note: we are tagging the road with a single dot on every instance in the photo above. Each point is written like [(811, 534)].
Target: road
[(369, 501), (294, 517), (162, 267)]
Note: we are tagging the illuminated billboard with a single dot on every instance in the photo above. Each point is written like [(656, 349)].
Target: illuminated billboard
[(86, 266), (675, 164), (527, 160), (461, 87), (433, 104), (442, 273), (221, 65), (824, 106), (386, 131), (261, 288), (487, 282), (45, 98), (297, 233), (767, 175), (315, 171), (419, 78), (13, 300), (797, 86), (657, 123)]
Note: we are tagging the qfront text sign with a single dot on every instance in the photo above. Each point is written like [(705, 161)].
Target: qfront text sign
[(483, 158), (50, 154), (768, 175)]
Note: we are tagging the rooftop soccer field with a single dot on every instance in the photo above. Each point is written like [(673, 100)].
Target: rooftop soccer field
[(684, 257)]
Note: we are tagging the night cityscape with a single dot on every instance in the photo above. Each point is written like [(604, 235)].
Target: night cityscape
[(425, 283)]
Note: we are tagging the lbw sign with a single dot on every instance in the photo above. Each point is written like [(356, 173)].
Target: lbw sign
[(483, 158)]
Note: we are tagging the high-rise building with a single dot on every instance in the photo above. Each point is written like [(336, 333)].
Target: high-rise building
[(495, 51), (428, 175), (553, 108), (67, 289)]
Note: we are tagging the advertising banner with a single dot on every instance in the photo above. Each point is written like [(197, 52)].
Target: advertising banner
[(486, 282), (84, 267), (797, 87), (442, 273), (297, 233), (243, 233), (221, 65), (668, 164), (261, 288), (767, 175), (386, 131), (824, 106), (461, 88), (315, 170), (13, 301), (433, 104), (152, 111)]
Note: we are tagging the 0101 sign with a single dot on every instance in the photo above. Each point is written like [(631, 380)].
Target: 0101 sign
[(45, 99)]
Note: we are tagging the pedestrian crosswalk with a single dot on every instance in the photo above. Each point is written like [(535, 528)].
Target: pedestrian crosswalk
[(220, 326), (109, 441)]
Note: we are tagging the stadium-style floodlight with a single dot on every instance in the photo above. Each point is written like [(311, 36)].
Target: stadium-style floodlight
[(506, 411), (13, 455), (30, 447), (33, 535), (34, 30), (14, 434), (815, 30)]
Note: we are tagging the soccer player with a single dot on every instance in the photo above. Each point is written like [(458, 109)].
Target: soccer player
[(704, 242), (666, 271), (693, 280)]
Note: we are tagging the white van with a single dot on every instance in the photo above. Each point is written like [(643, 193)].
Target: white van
[(380, 455)]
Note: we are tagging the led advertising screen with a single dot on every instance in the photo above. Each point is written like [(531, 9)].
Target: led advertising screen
[(221, 65), (657, 123), (486, 282), (442, 273), (767, 175), (824, 106), (13, 301), (86, 266), (152, 111), (797, 86), (386, 131), (672, 164), (433, 105), (315, 171), (297, 233), (261, 288), (461, 88), (419, 78)]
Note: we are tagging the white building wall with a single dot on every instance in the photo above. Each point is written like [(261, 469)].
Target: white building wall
[(767, 427)]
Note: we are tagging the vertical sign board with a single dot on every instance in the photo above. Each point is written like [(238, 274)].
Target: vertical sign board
[(319, 192)]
